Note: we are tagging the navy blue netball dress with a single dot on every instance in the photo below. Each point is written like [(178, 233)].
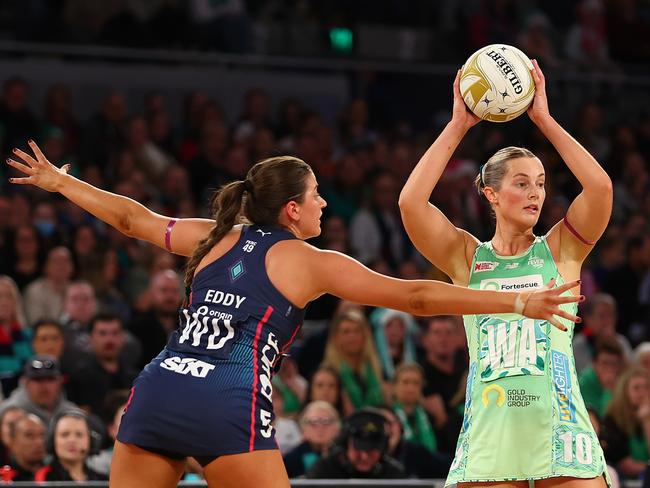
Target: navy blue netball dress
[(208, 393)]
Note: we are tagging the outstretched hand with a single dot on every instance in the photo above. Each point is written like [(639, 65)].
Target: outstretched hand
[(38, 172), (461, 113), (538, 109), (545, 304)]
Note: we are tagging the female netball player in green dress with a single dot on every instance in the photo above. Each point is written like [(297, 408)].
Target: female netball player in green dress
[(524, 415)]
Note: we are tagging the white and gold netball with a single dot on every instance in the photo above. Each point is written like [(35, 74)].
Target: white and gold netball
[(496, 83)]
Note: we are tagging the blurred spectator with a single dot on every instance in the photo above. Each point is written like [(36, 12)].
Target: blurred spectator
[(70, 442), (17, 123), (153, 327), (79, 307), (292, 386), (325, 386), (207, 169), (97, 376), (395, 335), (361, 451), (8, 417), (147, 155), (536, 40), (114, 406), (287, 432), (623, 284), (58, 113), (377, 232), (355, 132), (14, 342), (256, 115), (416, 424), (320, 424), (351, 352), (45, 219), (223, 26), (599, 323), (598, 380), (102, 136), (41, 392), (48, 339), (586, 41), (627, 424), (343, 194), (418, 462), (25, 264), (444, 369), (596, 423), (642, 356), (44, 296), (26, 447)]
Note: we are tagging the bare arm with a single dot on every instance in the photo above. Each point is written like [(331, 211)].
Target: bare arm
[(340, 275), (445, 245), (590, 211), (126, 215)]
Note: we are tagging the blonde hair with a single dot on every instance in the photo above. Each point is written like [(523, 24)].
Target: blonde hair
[(333, 355), (494, 170), (620, 408), (19, 314)]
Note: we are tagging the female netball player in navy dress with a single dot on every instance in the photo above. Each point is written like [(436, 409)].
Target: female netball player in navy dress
[(251, 275)]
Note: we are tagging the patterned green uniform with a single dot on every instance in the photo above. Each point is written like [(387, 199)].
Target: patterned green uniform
[(524, 415)]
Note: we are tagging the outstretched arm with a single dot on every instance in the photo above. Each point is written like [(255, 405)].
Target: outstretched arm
[(445, 245), (126, 215), (340, 275), (588, 215)]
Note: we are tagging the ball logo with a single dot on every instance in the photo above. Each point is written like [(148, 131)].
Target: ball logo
[(499, 394)]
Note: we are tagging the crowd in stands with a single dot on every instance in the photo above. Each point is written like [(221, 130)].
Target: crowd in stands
[(84, 308)]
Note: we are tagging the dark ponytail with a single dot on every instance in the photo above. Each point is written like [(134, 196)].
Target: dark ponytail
[(268, 186)]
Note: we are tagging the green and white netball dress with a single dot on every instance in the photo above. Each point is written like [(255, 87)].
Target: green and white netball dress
[(524, 416)]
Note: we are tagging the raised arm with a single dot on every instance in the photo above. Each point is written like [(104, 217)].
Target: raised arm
[(126, 215), (446, 246), (342, 276), (588, 215)]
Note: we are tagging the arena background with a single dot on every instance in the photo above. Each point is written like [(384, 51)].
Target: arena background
[(165, 100)]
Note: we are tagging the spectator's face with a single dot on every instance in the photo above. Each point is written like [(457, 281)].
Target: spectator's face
[(44, 392), (5, 212), (350, 337), (363, 461), (607, 367), (72, 439), (8, 418), (48, 340), (439, 339), (107, 339), (395, 331), (408, 387), (325, 387), (7, 303), (166, 289), (28, 444), (644, 360), (58, 266), (602, 320), (26, 242), (319, 426), (637, 391), (80, 303), (84, 241), (16, 97)]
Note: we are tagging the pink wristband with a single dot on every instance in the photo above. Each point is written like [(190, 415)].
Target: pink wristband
[(168, 234)]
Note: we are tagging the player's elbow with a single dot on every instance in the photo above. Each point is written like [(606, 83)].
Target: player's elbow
[(405, 202)]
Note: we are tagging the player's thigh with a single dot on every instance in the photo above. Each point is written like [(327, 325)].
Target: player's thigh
[(568, 482), (133, 467), (495, 484), (248, 470)]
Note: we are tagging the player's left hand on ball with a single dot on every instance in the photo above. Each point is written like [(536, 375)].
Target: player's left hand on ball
[(460, 112)]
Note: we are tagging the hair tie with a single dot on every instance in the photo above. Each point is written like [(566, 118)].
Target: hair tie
[(481, 173), (248, 186)]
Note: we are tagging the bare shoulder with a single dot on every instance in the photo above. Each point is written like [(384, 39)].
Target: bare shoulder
[(290, 267)]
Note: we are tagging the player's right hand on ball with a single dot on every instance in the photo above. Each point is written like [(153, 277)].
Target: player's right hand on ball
[(460, 113)]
